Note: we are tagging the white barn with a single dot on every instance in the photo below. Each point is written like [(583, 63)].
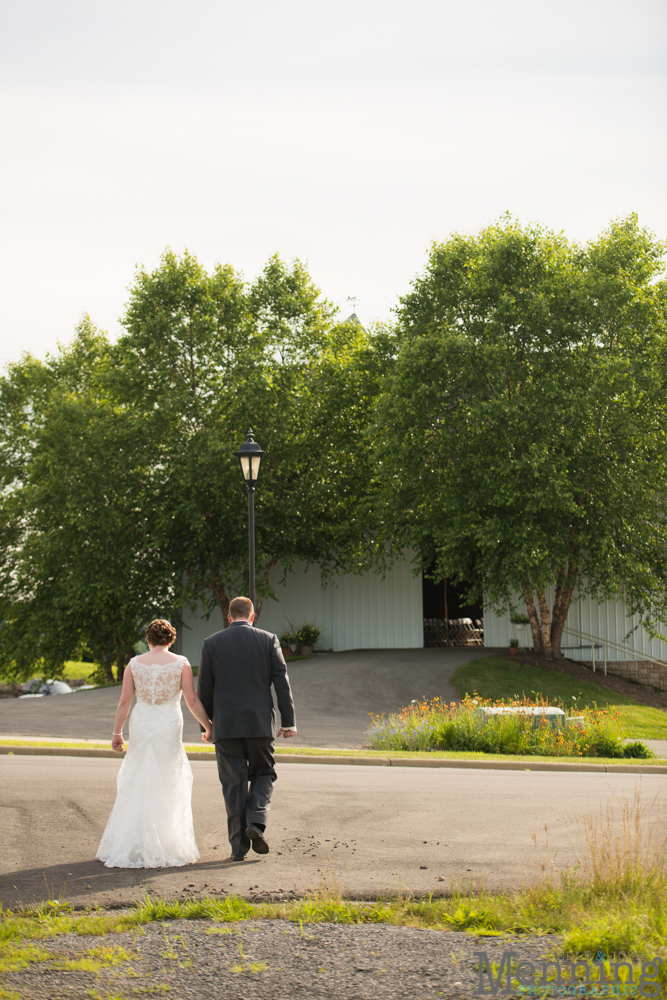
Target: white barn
[(364, 611), (369, 611)]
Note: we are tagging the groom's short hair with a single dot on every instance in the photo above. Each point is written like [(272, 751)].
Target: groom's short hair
[(241, 607)]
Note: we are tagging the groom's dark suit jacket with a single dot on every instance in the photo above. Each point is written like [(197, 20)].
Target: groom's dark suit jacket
[(236, 670)]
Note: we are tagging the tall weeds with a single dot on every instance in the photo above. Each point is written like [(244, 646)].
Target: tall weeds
[(618, 880), (622, 846)]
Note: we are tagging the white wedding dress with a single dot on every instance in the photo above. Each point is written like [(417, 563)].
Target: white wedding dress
[(151, 822)]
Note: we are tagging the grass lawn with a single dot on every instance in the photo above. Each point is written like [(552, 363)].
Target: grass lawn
[(363, 752), (75, 671), (496, 677)]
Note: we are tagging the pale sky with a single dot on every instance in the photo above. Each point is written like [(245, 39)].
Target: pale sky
[(348, 134)]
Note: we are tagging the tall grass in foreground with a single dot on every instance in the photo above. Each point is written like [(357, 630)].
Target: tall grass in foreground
[(611, 898), (438, 725), (623, 844), (620, 874)]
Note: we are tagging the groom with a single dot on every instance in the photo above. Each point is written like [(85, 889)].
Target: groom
[(236, 670)]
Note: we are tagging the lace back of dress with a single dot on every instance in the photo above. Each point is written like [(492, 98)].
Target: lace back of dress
[(157, 683)]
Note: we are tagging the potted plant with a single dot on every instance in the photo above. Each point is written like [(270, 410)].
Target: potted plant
[(288, 643), (307, 635), (514, 645)]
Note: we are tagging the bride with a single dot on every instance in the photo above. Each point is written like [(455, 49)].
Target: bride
[(151, 822)]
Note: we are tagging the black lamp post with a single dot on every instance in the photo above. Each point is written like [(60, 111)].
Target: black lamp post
[(250, 457)]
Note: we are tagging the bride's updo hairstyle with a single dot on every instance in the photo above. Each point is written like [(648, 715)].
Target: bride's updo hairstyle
[(160, 632)]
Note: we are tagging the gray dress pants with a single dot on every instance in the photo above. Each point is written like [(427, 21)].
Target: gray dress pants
[(246, 771)]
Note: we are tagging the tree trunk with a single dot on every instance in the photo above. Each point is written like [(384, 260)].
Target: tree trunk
[(545, 627), (548, 628), (222, 597), (259, 600), (108, 672), (539, 624), (218, 588), (562, 601), (220, 591), (534, 623)]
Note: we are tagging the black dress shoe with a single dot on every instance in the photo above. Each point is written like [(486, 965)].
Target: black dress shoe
[(236, 857), (257, 839)]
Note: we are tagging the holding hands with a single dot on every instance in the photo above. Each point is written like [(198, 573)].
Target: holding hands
[(206, 735)]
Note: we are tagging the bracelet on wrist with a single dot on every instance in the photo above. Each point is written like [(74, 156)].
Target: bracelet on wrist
[(116, 734)]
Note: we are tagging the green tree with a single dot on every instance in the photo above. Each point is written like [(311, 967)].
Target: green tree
[(79, 503), (122, 498), (204, 358), (525, 425)]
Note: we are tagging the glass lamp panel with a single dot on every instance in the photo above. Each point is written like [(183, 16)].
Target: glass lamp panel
[(246, 466)]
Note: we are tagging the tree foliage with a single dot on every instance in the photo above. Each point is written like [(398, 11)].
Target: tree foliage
[(527, 419), (122, 496), (512, 427), (80, 565), (204, 358)]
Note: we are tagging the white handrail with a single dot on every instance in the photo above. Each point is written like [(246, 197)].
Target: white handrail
[(608, 643)]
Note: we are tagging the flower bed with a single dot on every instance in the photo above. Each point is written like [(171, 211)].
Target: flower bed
[(437, 725)]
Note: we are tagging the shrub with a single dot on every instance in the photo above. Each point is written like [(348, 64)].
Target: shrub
[(637, 749)]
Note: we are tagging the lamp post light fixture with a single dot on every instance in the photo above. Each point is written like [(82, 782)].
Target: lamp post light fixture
[(250, 457)]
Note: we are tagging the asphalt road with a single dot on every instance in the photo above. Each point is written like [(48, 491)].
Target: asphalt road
[(368, 829), (334, 696)]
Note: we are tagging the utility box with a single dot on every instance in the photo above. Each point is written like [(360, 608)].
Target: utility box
[(555, 716)]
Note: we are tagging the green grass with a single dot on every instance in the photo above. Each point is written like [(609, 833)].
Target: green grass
[(643, 723), (78, 671), (496, 677), (74, 671), (554, 905), (452, 755), (65, 744), (390, 754)]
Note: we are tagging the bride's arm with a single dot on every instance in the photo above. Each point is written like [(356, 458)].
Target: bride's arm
[(193, 702), (126, 696)]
